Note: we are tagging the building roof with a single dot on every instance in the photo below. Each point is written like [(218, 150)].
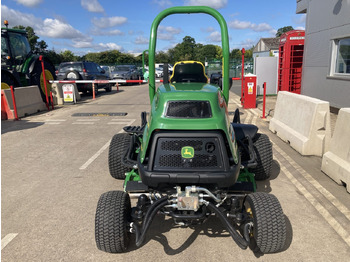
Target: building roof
[(267, 44)]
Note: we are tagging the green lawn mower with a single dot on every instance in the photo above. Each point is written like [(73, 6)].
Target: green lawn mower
[(188, 161)]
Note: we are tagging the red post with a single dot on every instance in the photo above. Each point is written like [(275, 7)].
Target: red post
[(44, 77), (51, 101), (264, 101), (117, 87), (14, 102), (242, 77), (93, 91)]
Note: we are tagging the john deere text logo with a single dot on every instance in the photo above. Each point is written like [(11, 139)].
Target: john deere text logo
[(187, 152)]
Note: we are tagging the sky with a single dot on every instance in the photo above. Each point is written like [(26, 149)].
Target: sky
[(84, 26)]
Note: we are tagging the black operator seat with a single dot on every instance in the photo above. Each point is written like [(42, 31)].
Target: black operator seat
[(189, 71)]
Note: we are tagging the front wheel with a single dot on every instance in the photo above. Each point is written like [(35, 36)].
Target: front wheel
[(111, 221), (269, 225), (117, 149), (263, 151)]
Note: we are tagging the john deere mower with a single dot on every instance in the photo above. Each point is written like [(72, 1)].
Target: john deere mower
[(19, 66), (189, 162)]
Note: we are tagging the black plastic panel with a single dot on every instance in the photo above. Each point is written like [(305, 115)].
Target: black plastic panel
[(188, 109), (207, 154)]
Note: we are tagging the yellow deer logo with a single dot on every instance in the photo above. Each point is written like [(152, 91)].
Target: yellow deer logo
[(187, 152)]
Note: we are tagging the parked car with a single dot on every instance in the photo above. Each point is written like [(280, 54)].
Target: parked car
[(159, 72), (126, 72), (108, 70), (83, 71)]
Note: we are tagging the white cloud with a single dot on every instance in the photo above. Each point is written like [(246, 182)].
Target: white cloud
[(140, 40), (98, 47), (92, 6), (167, 32), (53, 28), (215, 36), (217, 4), (29, 3), (56, 29), (299, 28), (99, 32), (208, 29), (105, 22), (163, 3), (262, 27), (108, 46), (248, 43)]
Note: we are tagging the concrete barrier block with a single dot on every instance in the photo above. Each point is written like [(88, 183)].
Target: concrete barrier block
[(336, 162), (57, 93), (302, 121), (28, 100)]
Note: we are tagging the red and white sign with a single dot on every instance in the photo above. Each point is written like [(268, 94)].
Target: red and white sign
[(68, 93)]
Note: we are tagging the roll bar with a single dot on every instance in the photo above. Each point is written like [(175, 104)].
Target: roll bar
[(189, 10)]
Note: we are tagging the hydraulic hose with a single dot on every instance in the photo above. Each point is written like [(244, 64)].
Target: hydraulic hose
[(152, 211), (241, 242)]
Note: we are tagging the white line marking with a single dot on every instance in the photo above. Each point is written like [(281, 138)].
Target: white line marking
[(7, 239), (55, 120), (99, 152), (248, 117), (83, 123), (87, 119), (341, 207), (254, 120), (53, 123), (253, 111), (118, 123), (122, 119), (326, 215)]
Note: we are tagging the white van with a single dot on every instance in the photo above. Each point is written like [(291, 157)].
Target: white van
[(170, 67)]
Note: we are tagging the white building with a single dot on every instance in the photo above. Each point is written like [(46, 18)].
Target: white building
[(326, 62)]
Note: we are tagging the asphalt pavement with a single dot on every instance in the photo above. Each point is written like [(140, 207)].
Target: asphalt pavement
[(54, 169)]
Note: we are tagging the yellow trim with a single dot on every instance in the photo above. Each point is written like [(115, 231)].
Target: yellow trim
[(48, 77), (4, 85), (188, 62)]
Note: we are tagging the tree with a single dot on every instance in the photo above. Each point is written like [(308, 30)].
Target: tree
[(183, 51), (35, 44), (67, 56), (162, 57), (236, 54), (284, 29)]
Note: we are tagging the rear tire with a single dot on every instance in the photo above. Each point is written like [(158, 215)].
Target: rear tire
[(263, 150), (111, 221), (36, 77), (108, 88), (117, 148), (269, 225), (7, 81)]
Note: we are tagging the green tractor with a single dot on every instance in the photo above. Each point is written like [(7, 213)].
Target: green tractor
[(19, 66), (188, 161)]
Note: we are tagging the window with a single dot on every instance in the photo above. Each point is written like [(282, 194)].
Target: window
[(342, 62), (20, 45)]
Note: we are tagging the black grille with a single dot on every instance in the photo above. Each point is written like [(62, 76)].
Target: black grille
[(200, 161), (178, 144), (207, 154), (189, 109)]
